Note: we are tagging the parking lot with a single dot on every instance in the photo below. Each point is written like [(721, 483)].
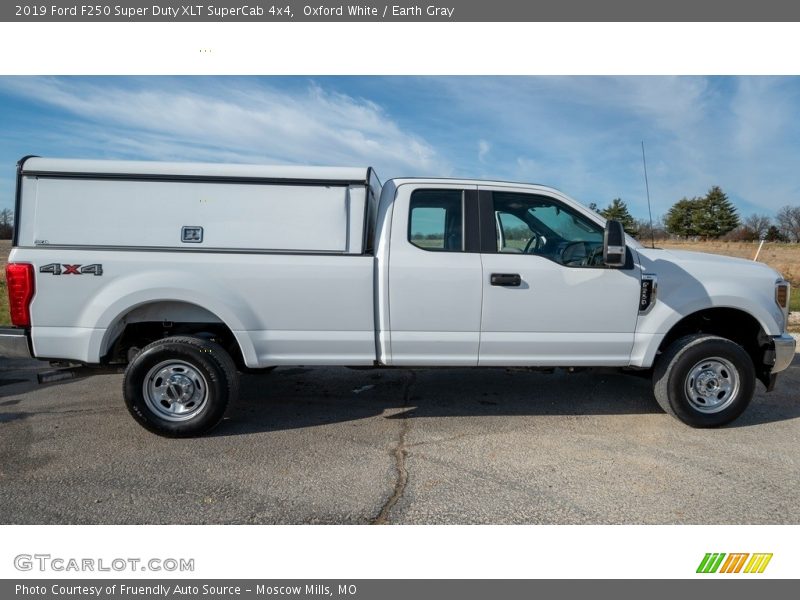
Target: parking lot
[(333, 445)]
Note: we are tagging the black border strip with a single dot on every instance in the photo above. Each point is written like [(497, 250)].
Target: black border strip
[(18, 198), (197, 178), (367, 246), (472, 234), (488, 229), (185, 250)]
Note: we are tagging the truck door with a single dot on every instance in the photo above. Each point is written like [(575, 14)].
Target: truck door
[(435, 276), (548, 299)]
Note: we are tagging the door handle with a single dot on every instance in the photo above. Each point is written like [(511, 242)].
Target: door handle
[(506, 279)]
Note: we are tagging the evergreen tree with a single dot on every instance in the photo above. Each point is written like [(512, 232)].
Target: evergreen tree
[(774, 235), (711, 216), (681, 216), (618, 211), (714, 215)]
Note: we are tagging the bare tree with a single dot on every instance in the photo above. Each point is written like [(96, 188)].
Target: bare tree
[(6, 223), (758, 225), (648, 233), (788, 219)]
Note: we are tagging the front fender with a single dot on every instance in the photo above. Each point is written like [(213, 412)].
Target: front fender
[(688, 287)]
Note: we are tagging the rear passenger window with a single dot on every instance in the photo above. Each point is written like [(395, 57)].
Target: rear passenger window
[(436, 220)]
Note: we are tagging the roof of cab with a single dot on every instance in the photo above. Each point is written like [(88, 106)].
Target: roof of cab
[(447, 181)]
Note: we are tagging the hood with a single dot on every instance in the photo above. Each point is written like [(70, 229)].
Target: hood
[(702, 261)]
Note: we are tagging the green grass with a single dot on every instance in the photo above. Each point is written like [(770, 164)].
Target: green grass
[(794, 301)]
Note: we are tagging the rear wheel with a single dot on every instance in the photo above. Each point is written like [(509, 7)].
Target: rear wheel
[(704, 380), (180, 386)]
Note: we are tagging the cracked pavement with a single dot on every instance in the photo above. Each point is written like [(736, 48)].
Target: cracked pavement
[(333, 445)]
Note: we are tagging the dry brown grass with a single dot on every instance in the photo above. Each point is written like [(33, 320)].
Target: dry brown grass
[(781, 257), (5, 248)]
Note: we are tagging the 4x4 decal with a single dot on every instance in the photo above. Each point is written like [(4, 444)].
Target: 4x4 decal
[(56, 269)]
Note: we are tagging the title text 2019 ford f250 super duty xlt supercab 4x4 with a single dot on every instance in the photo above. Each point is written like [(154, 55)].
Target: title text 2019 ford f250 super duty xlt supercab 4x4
[(190, 272)]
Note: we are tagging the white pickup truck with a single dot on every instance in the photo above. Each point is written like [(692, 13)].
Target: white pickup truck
[(190, 272)]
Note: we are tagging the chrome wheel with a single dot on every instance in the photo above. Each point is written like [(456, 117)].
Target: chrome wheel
[(712, 385), (175, 390)]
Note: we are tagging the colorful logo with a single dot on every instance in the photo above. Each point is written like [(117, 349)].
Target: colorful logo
[(713, 562)]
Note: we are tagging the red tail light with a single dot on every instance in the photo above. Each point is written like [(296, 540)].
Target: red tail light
[(19, 278)]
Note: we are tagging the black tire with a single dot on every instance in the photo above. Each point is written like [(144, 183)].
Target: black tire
[(180, 386), (680, 373)]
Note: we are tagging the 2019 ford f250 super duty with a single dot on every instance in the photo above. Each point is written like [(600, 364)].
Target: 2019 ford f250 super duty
[(187, 273)]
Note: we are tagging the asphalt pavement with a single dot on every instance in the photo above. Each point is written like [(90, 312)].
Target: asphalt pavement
[(334, 445)]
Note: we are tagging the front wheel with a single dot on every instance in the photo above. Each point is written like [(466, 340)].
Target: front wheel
[(180, 386), (704, 380)]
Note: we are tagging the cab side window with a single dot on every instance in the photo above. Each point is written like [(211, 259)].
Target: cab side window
[(436, 220), (513, 233), (532, 224)]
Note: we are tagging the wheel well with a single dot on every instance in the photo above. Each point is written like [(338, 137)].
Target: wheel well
[(730, 323), (157, 320)]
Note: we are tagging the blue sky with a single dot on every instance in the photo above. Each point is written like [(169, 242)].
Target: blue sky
[(579, 134)]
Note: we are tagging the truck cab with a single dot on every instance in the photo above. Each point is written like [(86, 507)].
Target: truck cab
[(492, 274)]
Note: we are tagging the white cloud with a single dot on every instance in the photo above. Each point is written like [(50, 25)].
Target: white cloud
[(583, 135), (760, 113), (580, 134), (484, 148), (228, 120)]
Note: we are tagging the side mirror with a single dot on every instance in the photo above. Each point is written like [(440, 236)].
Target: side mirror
[(614, 254)]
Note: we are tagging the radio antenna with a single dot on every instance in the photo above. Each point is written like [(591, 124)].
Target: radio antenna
[(647, 187)]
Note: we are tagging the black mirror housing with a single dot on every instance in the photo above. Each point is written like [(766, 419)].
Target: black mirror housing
[(614, 253)]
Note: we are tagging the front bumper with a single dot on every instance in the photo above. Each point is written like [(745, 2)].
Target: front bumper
[(784, 352), (14, 343)]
